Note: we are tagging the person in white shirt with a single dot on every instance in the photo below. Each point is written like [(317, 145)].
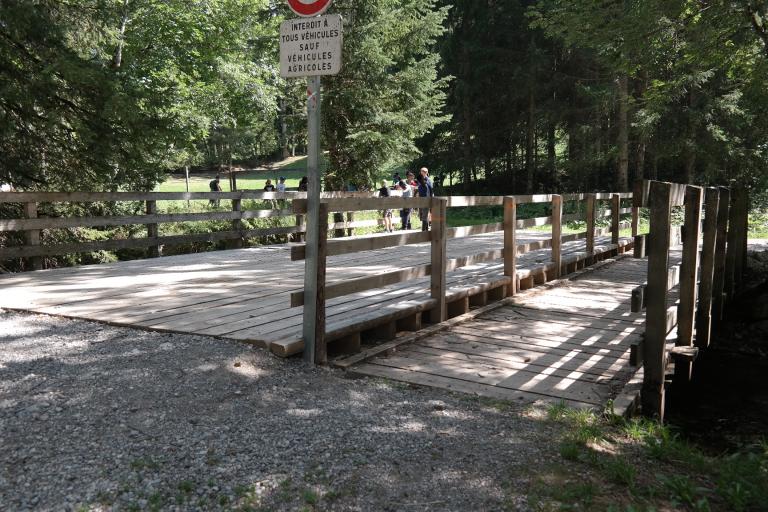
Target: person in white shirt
[(405, 213), (281, 184)]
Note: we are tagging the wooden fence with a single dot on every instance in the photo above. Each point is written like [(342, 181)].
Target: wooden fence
[(710, 272), (33, 223), (438, 309)]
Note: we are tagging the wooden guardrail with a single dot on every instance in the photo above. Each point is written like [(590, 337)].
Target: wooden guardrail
[(439, 234), (33, 222), (709, 274)]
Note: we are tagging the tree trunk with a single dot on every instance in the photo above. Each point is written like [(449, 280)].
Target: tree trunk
[(530, 138), (117, 58), (552, 156), (622, 175)]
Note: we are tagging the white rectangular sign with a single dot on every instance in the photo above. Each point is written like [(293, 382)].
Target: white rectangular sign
[(311, 46)]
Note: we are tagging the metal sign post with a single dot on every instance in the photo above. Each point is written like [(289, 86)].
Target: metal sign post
[(311, 47), (313, 217)]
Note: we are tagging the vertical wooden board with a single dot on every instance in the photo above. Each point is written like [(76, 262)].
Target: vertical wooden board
[(689, 270), (704, 311), (237, 224), (733, 243), (438, 256), (590, 224), (32, 236), (654, 356), (510, 242), (152, 231), (741, 222), (557, 234), (637, 194), (615, 217), (718, 285)]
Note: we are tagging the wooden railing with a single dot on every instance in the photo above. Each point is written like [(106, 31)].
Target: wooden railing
[(709, 274), (32, 223), (439, 234)]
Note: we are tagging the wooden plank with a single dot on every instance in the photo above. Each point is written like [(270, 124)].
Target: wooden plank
[(366, 283), (689, 277), (557, 233), (636, 193), (510, 243), (718, 285), (152, 231), (165, 218), (438, 256), (734, 259), (704, 311), (357, 204), (590, 224), (615, 216), (459, 386), (371, 243), (31, 237), (654, 356), (466, 231), (90, 197)]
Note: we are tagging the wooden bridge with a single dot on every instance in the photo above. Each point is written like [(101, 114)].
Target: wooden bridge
[(459, 308)]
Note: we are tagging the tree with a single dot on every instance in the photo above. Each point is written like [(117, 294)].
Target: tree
[(388, 93)]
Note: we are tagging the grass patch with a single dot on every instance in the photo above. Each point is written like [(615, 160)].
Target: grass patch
[(639, 465)]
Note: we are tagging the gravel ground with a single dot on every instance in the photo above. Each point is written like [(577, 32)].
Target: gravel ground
[(94, 417)]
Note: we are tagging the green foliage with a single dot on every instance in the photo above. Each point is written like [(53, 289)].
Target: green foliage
[(388, 93)]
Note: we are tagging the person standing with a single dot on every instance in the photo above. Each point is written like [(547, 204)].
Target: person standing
[(387, 212), (425, 190), (405, 213), (215, 186), (281, 184), (303, 184), (269, 187)]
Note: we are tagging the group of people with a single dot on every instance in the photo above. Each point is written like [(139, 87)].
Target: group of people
[(412, 186), (215, 186)]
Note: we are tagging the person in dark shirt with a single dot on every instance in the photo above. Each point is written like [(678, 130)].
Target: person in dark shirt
[(269, 187), (425, 190), (303, 184), (386, 213), (215, 186)]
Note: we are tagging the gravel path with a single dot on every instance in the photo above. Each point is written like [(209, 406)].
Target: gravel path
[(94, 417)]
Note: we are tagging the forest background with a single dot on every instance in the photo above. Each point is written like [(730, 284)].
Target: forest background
[(502, 97)]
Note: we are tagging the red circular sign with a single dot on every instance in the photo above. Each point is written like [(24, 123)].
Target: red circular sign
[(309, 7)]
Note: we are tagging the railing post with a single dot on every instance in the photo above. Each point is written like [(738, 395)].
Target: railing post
[(737, 232), (510, 243), (591, 198), (237, 224), (32, 236), (301, 224), (637, 202), (718, 285), (732, 244), (315, 347), (439, 248), (152, 231), (689, 270), (615, 218), (654, 349), (557, 233), (704, 311), (350, 220)]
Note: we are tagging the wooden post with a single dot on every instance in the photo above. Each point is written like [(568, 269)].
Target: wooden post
[(321, 345), (186, 181), (439, 248), (510, 243), (237, 224), (615, 218), (654, 356), (557, 233), (152, 231), (733, 243), (32, 236), (704, 311), (718, 285), (300, 223), (739, 225), (689, 270), (637, 202), (590, 227), (350, 219)]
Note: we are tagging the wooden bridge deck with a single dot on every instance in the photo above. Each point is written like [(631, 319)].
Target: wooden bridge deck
[(244, 294), (567, 343)]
